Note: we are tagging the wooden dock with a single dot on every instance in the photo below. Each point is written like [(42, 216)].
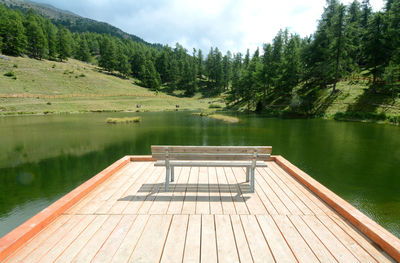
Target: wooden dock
[(123, 214)]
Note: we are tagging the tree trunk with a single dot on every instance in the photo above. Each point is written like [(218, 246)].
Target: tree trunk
[(374, 80), (264, 97)]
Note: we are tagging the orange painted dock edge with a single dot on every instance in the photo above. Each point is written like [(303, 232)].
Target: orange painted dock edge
[(383, 238), (17, 237)]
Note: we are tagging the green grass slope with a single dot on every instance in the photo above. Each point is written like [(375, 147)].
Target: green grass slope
[(32, 86), (354, 101)]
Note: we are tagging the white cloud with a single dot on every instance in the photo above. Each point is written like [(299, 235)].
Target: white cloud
[(228, 24)]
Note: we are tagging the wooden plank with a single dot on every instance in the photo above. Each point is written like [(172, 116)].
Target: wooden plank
[(314, 198), (52, 240), (240, 238), (175, 243), (300, 205), (22, 234), (210, 149), (259, 247), (210, 157), (257, 202), (82, 239), (176, 204), (338, 250), (208, 241), (97, 191), (151, 242), (141, 202), (117, 203), (277, 203), (227, 251), (192, 242), (236, 193), (276, 241), (322, 253), (203, 198), (41, 238), (163, 199), (363, 241), (113, 242), (90, 249), (129, 243), (370, 228), (282, 195), (346, 240), (54, 250), (294, 186), (226, 197), (215, 196), (189, 204), (91, 206), (299, 247)]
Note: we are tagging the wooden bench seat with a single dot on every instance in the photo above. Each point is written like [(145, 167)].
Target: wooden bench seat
[(249, 157)]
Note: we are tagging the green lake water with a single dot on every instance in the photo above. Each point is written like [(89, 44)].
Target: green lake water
[(44, 157)]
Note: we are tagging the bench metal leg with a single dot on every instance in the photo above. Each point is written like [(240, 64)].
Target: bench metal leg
[(167, 178), (252, 181), (247, 174), (172, 173)]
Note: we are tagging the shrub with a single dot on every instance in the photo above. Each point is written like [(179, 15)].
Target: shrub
[(215, 106), (123, 120), (9, 74)]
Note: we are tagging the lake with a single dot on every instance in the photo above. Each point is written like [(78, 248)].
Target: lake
[(44, 157)]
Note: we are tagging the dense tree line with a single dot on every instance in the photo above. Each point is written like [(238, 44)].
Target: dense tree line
[(349, 40)]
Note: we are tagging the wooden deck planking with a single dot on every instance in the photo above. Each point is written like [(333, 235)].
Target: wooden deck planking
[(226, 246), (215, 195), (189, 203), (106, 252), (208, 215), (176, 203), (203, 196), (193, 239), (175, 243), (208, 239), (151, 243)]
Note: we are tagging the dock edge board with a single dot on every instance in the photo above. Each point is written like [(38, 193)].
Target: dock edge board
[(383, 238), (23, 233)]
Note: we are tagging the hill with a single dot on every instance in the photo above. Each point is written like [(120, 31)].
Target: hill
[(73, 22), (30, 86)]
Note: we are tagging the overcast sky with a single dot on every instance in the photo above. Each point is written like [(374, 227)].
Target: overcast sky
[(233, 25)]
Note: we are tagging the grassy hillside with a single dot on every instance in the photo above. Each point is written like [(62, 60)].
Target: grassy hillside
[(33, 86), (354, 101)]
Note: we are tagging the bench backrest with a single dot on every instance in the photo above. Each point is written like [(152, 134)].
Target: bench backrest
[(226, 153)]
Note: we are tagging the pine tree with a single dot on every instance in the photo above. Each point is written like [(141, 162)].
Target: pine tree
[(374, 41), (51, 34), (200, 63), (149, 76), (291, 65), (122, 65), (64, 41), (83, 52), (338, 43), (12, 32), (107, 59), (227, 71), (37, 43), (266, 72)]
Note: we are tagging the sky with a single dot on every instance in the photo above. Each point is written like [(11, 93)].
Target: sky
[(233, 25)]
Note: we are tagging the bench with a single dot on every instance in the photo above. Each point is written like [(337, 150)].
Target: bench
[(249, 157)]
